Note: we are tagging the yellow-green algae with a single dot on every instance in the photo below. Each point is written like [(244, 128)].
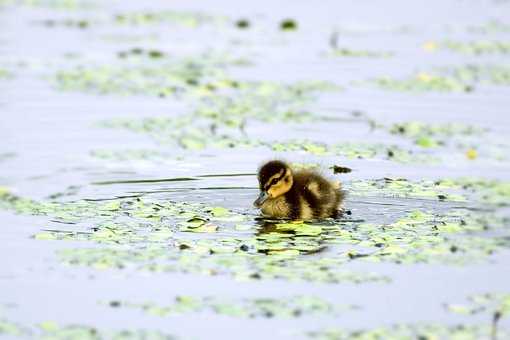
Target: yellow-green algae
[(181, 18), (421, 331), (51, 330), (68, 23), (194, 77), (449, 79), (132, 155), (5, 74), (262, 307), (476, 190), (353, 53), (10, 328), (239, 266), (489, 27), (479, 47), (493, 304), (54, 4), (433, 135), (195, 133), (216, 127)]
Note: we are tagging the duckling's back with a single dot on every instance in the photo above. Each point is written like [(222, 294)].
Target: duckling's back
[(319, 197)]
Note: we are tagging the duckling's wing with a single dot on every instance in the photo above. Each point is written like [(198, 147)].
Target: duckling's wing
[(327, 195)]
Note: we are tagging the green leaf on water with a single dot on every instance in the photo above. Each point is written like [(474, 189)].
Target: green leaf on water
[(220, 212), (288, 25)]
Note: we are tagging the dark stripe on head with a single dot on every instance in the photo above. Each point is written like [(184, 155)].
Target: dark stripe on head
[(270, 169)]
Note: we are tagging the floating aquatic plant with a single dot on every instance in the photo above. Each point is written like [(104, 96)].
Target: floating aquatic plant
[(288, 25), (55, 4), (140, 52), (197, 133), (475, 190), (180, 18), (237, 265), (477, 47), (150, 235), (131, 154), (9, 328), (219, 121), (173, 79), (4, 74), (352, 53), (68, 23), (354, 151), (496, 306), (52, 330), (450, 79), (291, 307), (408, 331), (491, 26), (433, 135), (493, 304), (243, 24), (360, 30)]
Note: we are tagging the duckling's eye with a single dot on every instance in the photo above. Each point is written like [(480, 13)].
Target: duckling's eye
[(274, 181)]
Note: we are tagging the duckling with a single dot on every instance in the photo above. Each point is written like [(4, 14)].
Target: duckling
[(303, 194)]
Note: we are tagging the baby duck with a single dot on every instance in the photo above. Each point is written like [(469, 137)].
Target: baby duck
[(303, 194)]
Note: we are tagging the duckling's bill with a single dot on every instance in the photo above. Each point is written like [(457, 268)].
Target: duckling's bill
[(261, 199)]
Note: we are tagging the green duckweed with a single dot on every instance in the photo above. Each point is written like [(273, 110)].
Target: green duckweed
[(291, 307), (477, 47), (450, 79), (180, 18), (493, 304), (407, 332), (352, 53)]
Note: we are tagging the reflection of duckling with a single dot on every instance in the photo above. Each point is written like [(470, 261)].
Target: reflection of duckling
[(301, 194)]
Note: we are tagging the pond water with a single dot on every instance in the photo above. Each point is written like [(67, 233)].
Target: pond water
[(131, 134)]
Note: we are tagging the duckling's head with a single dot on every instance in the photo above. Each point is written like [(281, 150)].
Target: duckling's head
[(275, 179)]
